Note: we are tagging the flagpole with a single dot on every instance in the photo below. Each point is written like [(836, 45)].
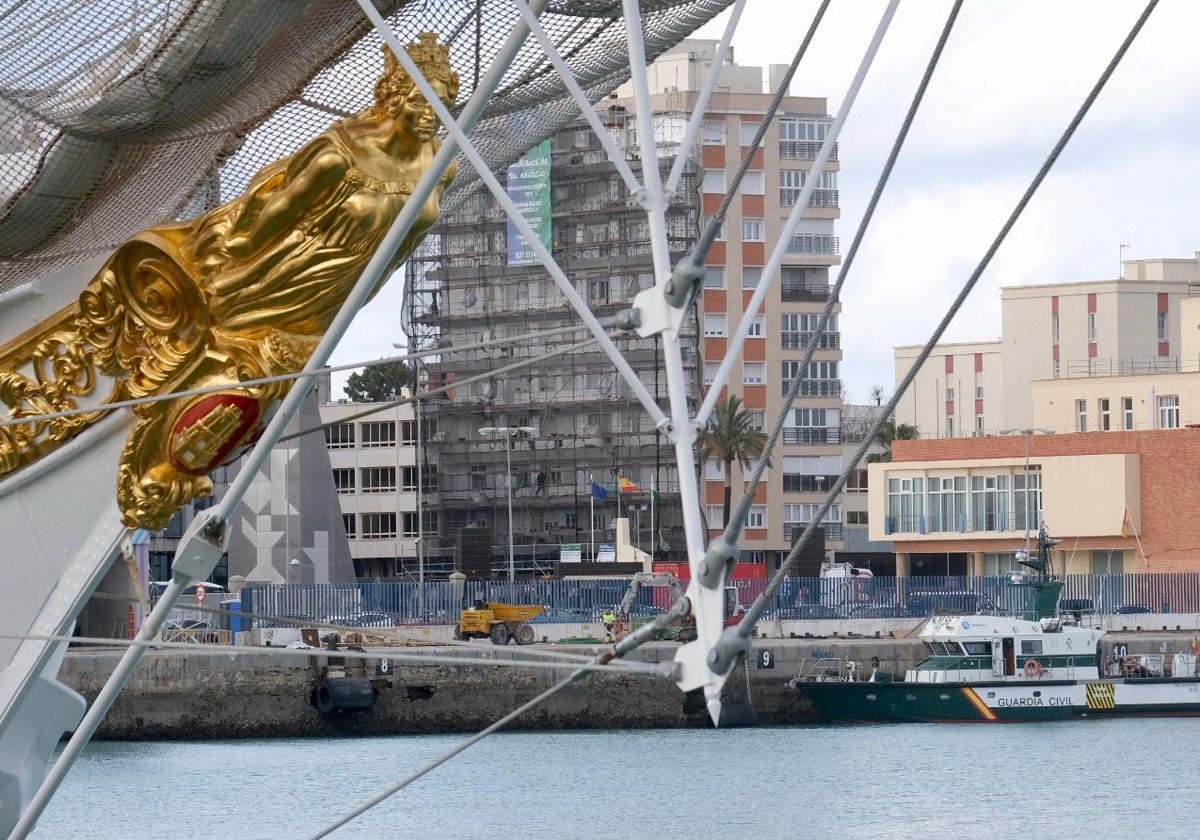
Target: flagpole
[(653, 490), (592, 498)]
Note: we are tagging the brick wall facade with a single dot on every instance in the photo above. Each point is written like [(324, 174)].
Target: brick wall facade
[(1169, 483)]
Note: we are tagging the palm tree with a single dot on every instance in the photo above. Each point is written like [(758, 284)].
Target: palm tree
[(731, 436), (890, 433)]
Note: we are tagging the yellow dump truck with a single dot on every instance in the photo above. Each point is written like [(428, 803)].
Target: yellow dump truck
[(499, 622)]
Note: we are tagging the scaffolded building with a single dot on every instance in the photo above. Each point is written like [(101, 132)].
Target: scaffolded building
[(582, 450)]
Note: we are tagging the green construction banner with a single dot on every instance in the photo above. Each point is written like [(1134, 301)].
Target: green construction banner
[(529, 189)]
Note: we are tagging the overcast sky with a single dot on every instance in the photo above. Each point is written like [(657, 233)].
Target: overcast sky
[(1010, 80)]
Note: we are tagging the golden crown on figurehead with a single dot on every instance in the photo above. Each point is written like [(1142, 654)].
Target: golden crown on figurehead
[(432, 59)]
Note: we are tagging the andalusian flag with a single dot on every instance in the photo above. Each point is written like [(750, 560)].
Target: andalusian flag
[(627, 486)]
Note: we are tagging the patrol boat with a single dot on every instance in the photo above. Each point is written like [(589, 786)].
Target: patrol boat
[(995, 668)]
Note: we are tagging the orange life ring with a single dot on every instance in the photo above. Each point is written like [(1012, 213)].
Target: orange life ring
[(1033, 668)]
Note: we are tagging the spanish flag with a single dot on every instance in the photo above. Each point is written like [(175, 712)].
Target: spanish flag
[(627, 486), (1126, 524)]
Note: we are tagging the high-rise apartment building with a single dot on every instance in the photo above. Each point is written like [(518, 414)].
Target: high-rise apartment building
[(572, 423), (810, 458)]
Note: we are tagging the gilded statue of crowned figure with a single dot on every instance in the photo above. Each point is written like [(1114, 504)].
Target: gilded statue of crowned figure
[(244, 292)]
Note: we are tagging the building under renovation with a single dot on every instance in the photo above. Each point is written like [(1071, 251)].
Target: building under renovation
[(582, 450)]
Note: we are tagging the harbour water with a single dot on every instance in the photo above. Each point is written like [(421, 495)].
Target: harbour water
[(1090, 779)]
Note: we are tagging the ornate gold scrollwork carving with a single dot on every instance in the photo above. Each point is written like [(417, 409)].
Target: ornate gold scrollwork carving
[(244, 292)]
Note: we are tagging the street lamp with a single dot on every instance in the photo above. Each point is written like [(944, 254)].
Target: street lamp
[(1027, 433), (291, 563), (509, 433)]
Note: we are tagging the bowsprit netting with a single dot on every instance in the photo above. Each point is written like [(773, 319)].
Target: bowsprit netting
[(121, 114)]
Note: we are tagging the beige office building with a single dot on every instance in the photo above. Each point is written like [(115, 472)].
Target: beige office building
[(1066, 347)]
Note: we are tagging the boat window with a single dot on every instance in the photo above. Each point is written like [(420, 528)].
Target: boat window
[(952, 648), (978, 648), (1031, 646)]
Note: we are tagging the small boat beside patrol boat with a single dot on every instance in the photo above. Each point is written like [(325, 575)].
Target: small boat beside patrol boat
[(997, 668)]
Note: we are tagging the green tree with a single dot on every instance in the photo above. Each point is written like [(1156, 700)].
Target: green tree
[(731, 436), (378, 383), (890, 433)]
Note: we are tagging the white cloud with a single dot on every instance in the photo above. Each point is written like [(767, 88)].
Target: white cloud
[(1012, 77)]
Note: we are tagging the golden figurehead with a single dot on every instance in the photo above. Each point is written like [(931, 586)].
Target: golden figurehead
[(244, 292)]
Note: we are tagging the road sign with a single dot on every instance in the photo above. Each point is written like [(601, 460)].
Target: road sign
[(200, 594)]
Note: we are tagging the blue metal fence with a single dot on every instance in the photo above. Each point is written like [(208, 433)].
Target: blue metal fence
[(578, 601)]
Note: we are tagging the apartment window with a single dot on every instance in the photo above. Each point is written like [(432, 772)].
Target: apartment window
[(978, 392), (747, 133), (756, 327), (1054, 329), (378, 526), (343, 480), (714, 277), (714, 181), (340, 436), (1162, 326), (715, 514), (1127, 410), (750, 277), (1105, 418), (797, 128), (1056, 368), (906, 505), (979, 424), (1168, 412), (715, 325), (753, 373), (1091, 327), (856, 517), (377, 479), (704, 222), (710, 372), (756, 517), (752, 183), (949, 395), (752, 230), (1081, 415), (599, 290), (349, 522), (949, 427), (409, 523), (408, 478), (755, 419), (714, 469), (382, 433), (712, 133)]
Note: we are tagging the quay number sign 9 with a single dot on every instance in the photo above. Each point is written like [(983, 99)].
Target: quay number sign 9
[(766, 659)]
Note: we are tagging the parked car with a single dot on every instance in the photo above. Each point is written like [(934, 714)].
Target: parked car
[(284, 621), (363, 619), (944, 602), (1129, 609)]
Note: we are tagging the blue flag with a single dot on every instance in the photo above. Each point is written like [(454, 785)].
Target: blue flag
[(599, 492)]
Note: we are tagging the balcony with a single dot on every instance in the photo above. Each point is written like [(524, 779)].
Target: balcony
[(793, 292), (988, 522), (793, 530), (815, 387), (815, 244), (800, 483), (801, 340), (788, 196), (803, 150), (811, 435)]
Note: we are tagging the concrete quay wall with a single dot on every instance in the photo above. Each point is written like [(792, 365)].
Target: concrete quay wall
[(183, 695)]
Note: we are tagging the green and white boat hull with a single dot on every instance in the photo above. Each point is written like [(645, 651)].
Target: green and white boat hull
[(1002, 701)]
